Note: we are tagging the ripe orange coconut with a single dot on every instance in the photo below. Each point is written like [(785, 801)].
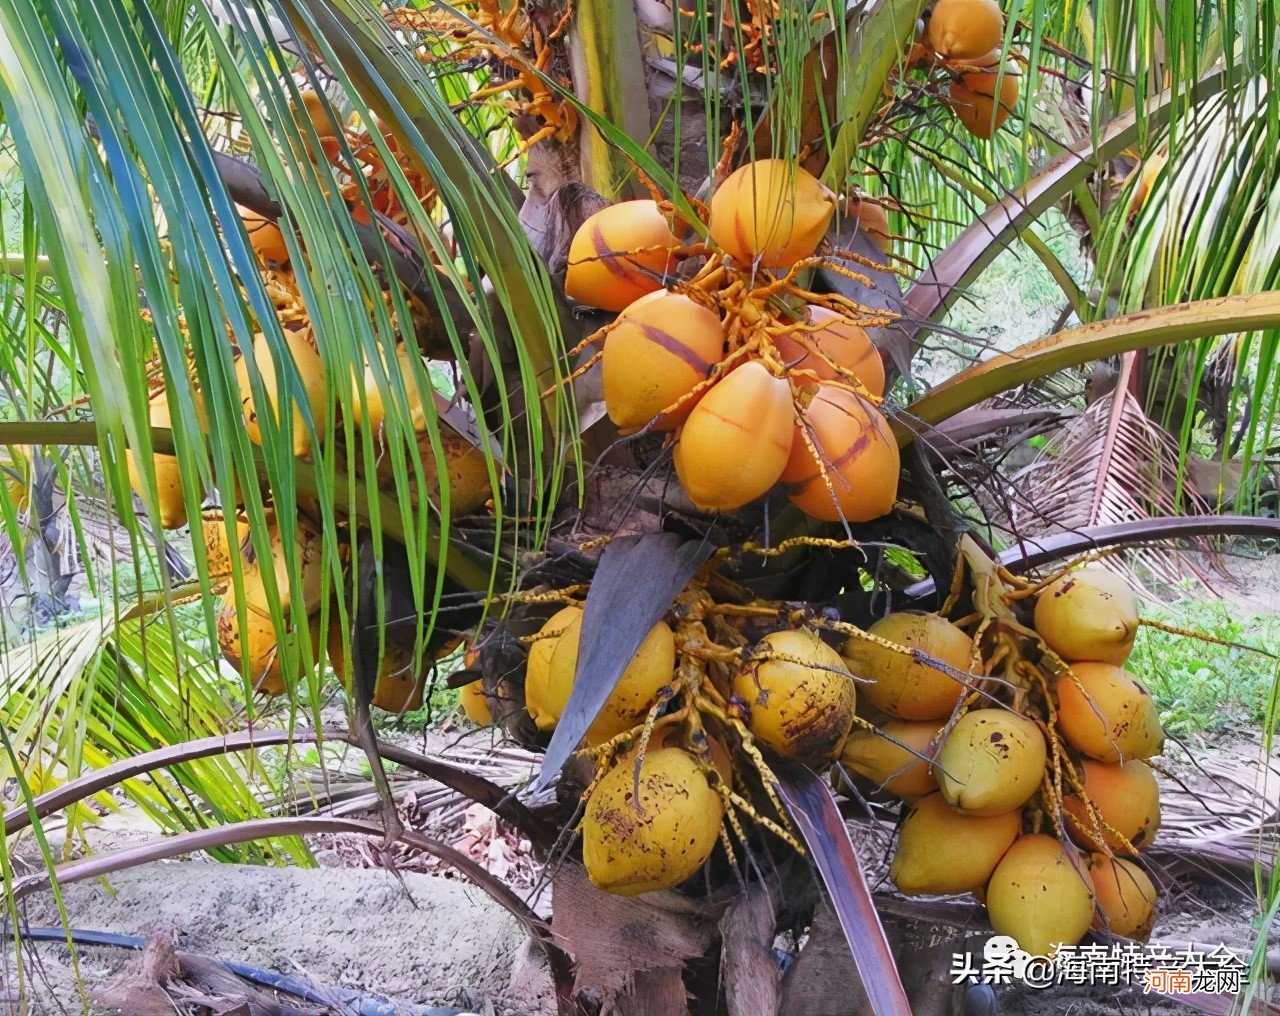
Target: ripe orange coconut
[(1089, 614), (962, 30), (620, 254), (872, 219), (1127, 799), (1040, 894), (736, 441), (770, 213), (400, 684), (264, 237), (858, 454), (839, 340), (1106, 714), (992, 762), (973, 99), (942, 851), (660, 349), (891, 756), (1125, 895), (900, 685)]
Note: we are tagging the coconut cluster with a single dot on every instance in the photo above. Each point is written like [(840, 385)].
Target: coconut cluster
[(1032, 792), (759, 382)]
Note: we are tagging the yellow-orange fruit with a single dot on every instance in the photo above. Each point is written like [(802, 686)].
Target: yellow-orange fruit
[(942, 851), (973, 99), (1127, 799), (858, 456), (314, 110), (902, 686), (474, 704), (627, 705), (800, 695), (639, 842), (619, 254), (772, 213), (537, 691), (1040, 894), (1088, 615), (307, 545), (169, 502), (1126, 897), (400, 684), (835, 340), (872, 219), (661, 347), (415, 396), (219, 551), (253, 646), (992, 762), (465, 469), (965, 29), (311, 372), (1105, 713), (894, 764), (1147, 172), (264, 237), (734, 445)]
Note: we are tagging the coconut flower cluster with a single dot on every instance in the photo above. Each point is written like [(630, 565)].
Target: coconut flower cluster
[(759, 381), (1038, 750)]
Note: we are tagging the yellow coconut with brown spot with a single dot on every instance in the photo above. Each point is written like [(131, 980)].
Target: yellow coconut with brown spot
[(264, 237), (961, 30), (993, 761), (1089, 615), (903, 686), (844, 462), (799, 694), (891, 756), (619, 254), (465, 470), (306, 556), (251, 646), (1104, 712), (299, 347), (220, 551), (169, 502), (1126, 797), (474, 704), (658, 351), (770, 213), (737, 439), (983, 100), (1040, 895), (650, 669), (834, 347), (538, 697), (942, 851), (401, 681), (1126, 897), (652, 830)]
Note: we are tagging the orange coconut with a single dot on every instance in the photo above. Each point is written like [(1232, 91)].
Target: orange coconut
[(838, 340), (901, 686), (400, 683), (973, 99), (1107, 715), (962, 30), (772, 213), (538, 698), (872, 219), (942, 851), (253, 646), (858, 454), (1126, 897), (1090, 614), (891, 756), (298, 345), (619, 254), (169, 501), (1041, 895), (474, 704), (1126, 798), (264, 237), (992, 761), (660, 349), (736, 441)]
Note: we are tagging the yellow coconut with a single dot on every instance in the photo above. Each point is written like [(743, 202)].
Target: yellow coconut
[(465, 469), (1040, 894), (474, 704), (963, 30), (619, 254), (734, 445), (641, 842), (306, 553), (1105, 713), (253, 646), (973, 99), (800, 696), (402, 677), (169, 502), (872, 220), (313, 108), (415, 396), (1089, 615), (1127, 800), (890, 756), (265, 238), (1126, 897), (771, 213), (857, 480), (220, 552), (942, 851), (835, 342), (310, 369), (661, 347), (993, 761), (538, 698), (902, 686), (649, 670)]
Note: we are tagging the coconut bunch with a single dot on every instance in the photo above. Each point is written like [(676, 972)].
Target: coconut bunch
[(757, 380), (962, 40), (1028, 784)]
